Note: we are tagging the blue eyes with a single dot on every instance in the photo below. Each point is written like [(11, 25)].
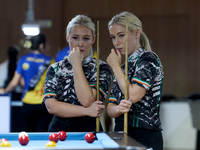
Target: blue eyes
[(120, 36), (84, 39)]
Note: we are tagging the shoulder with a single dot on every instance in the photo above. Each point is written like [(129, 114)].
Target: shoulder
[(24, 57), (101, 62), (45, 56), (60, 64), (148, 56)]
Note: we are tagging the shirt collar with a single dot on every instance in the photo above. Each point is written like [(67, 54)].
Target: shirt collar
[(135, 54)]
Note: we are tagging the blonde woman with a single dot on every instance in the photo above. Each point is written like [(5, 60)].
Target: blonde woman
[(145, 76), (70, 87)]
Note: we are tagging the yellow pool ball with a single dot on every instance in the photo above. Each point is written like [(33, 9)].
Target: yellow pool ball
[(5, 144), (51, 144)]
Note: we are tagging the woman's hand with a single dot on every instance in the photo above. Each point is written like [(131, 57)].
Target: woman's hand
[(76, 57), (124, 106), (2, 91), (114, 58), (96, 109), (115, 110)]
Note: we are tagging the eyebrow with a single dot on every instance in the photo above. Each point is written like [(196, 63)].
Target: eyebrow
[(78, 35), (118, 33)]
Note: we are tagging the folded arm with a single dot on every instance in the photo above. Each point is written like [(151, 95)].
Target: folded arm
[(66, 110)]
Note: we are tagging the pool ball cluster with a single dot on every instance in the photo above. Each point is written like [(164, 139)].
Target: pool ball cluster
[(62, 136), (23, 139), (55, 137)]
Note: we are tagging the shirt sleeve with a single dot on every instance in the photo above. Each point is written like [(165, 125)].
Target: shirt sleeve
[(50, 84), (146, 70), (115, 92), (105, 78)]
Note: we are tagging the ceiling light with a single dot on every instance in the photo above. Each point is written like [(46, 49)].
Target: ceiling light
[(30, 27)]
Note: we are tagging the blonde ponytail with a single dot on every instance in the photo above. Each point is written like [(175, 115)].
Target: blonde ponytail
[(144, 41)]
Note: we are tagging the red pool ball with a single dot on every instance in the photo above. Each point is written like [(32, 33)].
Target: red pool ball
[(53, 137), (62, 135), (23, 140), (90, 137)]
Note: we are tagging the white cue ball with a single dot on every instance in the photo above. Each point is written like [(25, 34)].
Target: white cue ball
[(23, 133)]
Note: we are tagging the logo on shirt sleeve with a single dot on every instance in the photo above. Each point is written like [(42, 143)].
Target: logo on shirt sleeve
[(25, 66)]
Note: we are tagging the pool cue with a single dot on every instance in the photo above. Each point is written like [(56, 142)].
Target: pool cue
[(97, 119), (126, 82)]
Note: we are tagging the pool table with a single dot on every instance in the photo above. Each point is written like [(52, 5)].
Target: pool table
[(75, 141)]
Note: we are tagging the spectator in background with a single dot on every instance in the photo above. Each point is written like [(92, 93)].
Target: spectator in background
[(62, 54), (32, 69), (7, 69), (4, 72)]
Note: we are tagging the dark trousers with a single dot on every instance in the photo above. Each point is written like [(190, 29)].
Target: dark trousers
[(35, 118), (76, 124), (149, 138)]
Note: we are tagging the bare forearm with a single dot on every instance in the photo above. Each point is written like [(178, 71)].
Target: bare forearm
[(64, 110), (120, 78), (113, 110), (10, 88), (84, 92), (135, 92), (13, 83)]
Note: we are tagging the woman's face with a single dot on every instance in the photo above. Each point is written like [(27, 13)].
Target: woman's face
[(118, 36), (81, 37)]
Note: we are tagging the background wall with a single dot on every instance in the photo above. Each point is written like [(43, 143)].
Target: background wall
[(172, 27)]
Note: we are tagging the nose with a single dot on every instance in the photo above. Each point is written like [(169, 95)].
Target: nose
[(117, 41), (80, 43)]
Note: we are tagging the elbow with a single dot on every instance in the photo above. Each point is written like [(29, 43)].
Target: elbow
[(135, 98), (86, 104), (112, 115), (50, 111), (49, 107)]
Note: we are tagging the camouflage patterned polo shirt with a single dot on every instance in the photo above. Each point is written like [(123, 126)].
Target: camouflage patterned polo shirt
[(59, 82), (145, 70)]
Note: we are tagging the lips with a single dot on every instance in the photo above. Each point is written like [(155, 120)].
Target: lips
[(120, 49)]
